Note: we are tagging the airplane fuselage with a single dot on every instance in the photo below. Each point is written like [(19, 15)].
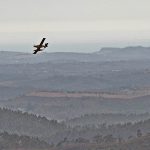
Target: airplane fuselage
[(39, 46)]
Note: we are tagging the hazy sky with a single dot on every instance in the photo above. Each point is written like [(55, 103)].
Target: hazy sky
[(89, 24)]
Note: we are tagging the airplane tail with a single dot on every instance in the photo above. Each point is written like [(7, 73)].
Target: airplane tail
[(46, 45)]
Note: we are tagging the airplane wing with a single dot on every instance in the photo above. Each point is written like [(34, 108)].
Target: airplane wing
[(42, 42), (35, 51)]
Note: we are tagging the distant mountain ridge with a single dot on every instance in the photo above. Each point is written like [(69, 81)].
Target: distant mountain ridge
[(126, 53), (128, 48), (105, 54)]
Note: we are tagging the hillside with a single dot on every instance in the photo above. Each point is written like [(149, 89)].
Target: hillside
[(82, 95), (109, 70), (28, 124), (16, 122)]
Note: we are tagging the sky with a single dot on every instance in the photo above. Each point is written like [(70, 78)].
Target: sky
[(74, 25)]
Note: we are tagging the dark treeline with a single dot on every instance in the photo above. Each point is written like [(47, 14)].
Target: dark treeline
[(108, 118), (13, 141), (124, 131), (109, 143)]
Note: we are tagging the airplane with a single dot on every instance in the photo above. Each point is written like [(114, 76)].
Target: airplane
[(40, 47)]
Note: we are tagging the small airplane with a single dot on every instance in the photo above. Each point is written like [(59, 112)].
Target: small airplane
[(40, 47)]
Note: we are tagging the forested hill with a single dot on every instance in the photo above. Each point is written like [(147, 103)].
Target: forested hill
[(28, 124), (16, 122)]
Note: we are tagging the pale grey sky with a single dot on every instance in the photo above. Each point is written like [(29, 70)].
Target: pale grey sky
[(62, 22)]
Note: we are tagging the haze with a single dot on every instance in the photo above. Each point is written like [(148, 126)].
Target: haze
[(68, 25)]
